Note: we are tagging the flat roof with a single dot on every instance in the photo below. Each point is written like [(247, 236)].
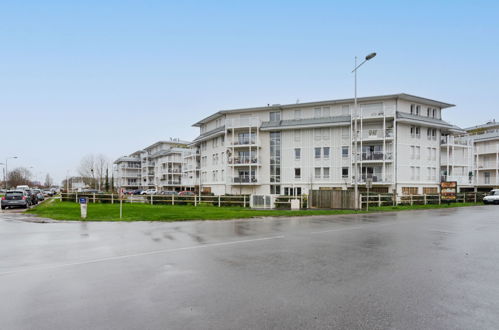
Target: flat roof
[(403, 96)]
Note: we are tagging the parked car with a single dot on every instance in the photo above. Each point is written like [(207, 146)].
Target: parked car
[(15, 198), (167, 192), (39, 194), (22, 187), (33, 199), (492, 197), (48, 192), (187, 193), (149, 192), (137, 192)]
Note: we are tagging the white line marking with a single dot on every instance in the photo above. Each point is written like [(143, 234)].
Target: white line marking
[(139, 255)]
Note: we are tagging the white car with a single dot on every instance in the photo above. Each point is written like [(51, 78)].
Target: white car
[(492, 197), (149, 192)]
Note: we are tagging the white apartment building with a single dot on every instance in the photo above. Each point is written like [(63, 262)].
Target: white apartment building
[(290, 149), (485, 139), (158, 166)]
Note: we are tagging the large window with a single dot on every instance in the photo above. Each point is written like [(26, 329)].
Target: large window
[(325, 152), (317, 172), (344, 172), (275, 162), (275, 116), (297, 173), (297, 153), (325, 172), (317, 152), (344, 151)]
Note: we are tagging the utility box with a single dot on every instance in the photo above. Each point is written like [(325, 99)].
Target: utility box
[(83, 207), (295, 204)]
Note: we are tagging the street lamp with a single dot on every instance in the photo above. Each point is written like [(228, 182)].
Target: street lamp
[(354, 152), (6, 169)]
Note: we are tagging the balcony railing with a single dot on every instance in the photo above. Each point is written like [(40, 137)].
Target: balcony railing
[(243, 160), (376, 178), (244, 179), (377, 134), (242, 142), (376, 156), (242, 122)]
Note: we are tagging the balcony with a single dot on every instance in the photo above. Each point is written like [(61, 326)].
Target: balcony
[(376, 156), (460, 179), (377, 178), (171, 182), (245, 179), (377, 134), (376, 112), (243, 161), (242, 122), (453, 140)]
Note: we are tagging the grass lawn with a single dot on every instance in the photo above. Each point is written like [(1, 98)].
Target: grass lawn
[(144, 212)]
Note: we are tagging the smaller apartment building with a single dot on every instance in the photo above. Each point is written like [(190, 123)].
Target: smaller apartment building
[(485, 139), (393, 140), (158, 166)]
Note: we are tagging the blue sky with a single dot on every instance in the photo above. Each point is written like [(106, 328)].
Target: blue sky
[(114, 76)]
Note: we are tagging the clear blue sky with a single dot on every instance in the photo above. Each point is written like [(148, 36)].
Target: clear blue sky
[(114, 76)]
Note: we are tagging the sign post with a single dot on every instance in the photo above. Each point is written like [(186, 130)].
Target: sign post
[(83, 207), (369, 184), (448, 191), (122, 193)]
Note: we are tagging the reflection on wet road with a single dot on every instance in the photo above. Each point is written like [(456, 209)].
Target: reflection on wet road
[(416, 269)]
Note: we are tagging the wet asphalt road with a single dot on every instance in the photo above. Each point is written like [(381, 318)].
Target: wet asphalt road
[(435, 269)]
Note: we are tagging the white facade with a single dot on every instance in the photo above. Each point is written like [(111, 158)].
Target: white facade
[(158, 166), (485, 140), (291, 149)]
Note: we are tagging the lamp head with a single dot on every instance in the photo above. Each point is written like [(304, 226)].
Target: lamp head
[(370, 56)]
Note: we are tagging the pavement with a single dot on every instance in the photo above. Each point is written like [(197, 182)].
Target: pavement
[(429, 269)]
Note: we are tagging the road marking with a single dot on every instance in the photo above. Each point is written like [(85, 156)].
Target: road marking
[(140, 254), (352, 228)]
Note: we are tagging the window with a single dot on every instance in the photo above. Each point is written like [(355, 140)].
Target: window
[(317, 172), (325, 134), (317, 152), (428, 170), (428, 112), (297, 114), (275, 190), (317, 112), (344, 172), (317, 134), (430, 190), (434, 134), (345, 132), (418, 152), (326, 112), (223, 157), (214, 176), (418, 131), (325, 152), (428, 133), (325, 172), (297, 133), (413, 152), (434, 113), (410, 190), (344, 151), (413, 172), (413, 108), (222, 177), (297, 153), (429, 153), (297, 173), (418, 108), (275, 116)]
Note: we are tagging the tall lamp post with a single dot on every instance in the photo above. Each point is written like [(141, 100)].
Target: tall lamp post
[(6, 169), (354, 117)]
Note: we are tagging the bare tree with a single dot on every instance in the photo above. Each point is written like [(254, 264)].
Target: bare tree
[(19, 176), (48, 181), (101, 164), (86, 169)]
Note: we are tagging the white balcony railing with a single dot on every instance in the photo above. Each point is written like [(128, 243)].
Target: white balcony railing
[(242, 122)]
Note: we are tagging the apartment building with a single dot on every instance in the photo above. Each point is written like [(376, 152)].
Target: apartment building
[(158, 166), (290, 149), (485, 139)]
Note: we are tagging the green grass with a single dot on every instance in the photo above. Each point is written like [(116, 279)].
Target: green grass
[(144, 212)]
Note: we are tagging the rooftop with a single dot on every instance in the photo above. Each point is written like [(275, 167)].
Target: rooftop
[(402, 96)]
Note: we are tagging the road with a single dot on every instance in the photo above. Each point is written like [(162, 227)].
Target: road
[(432, 269)]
